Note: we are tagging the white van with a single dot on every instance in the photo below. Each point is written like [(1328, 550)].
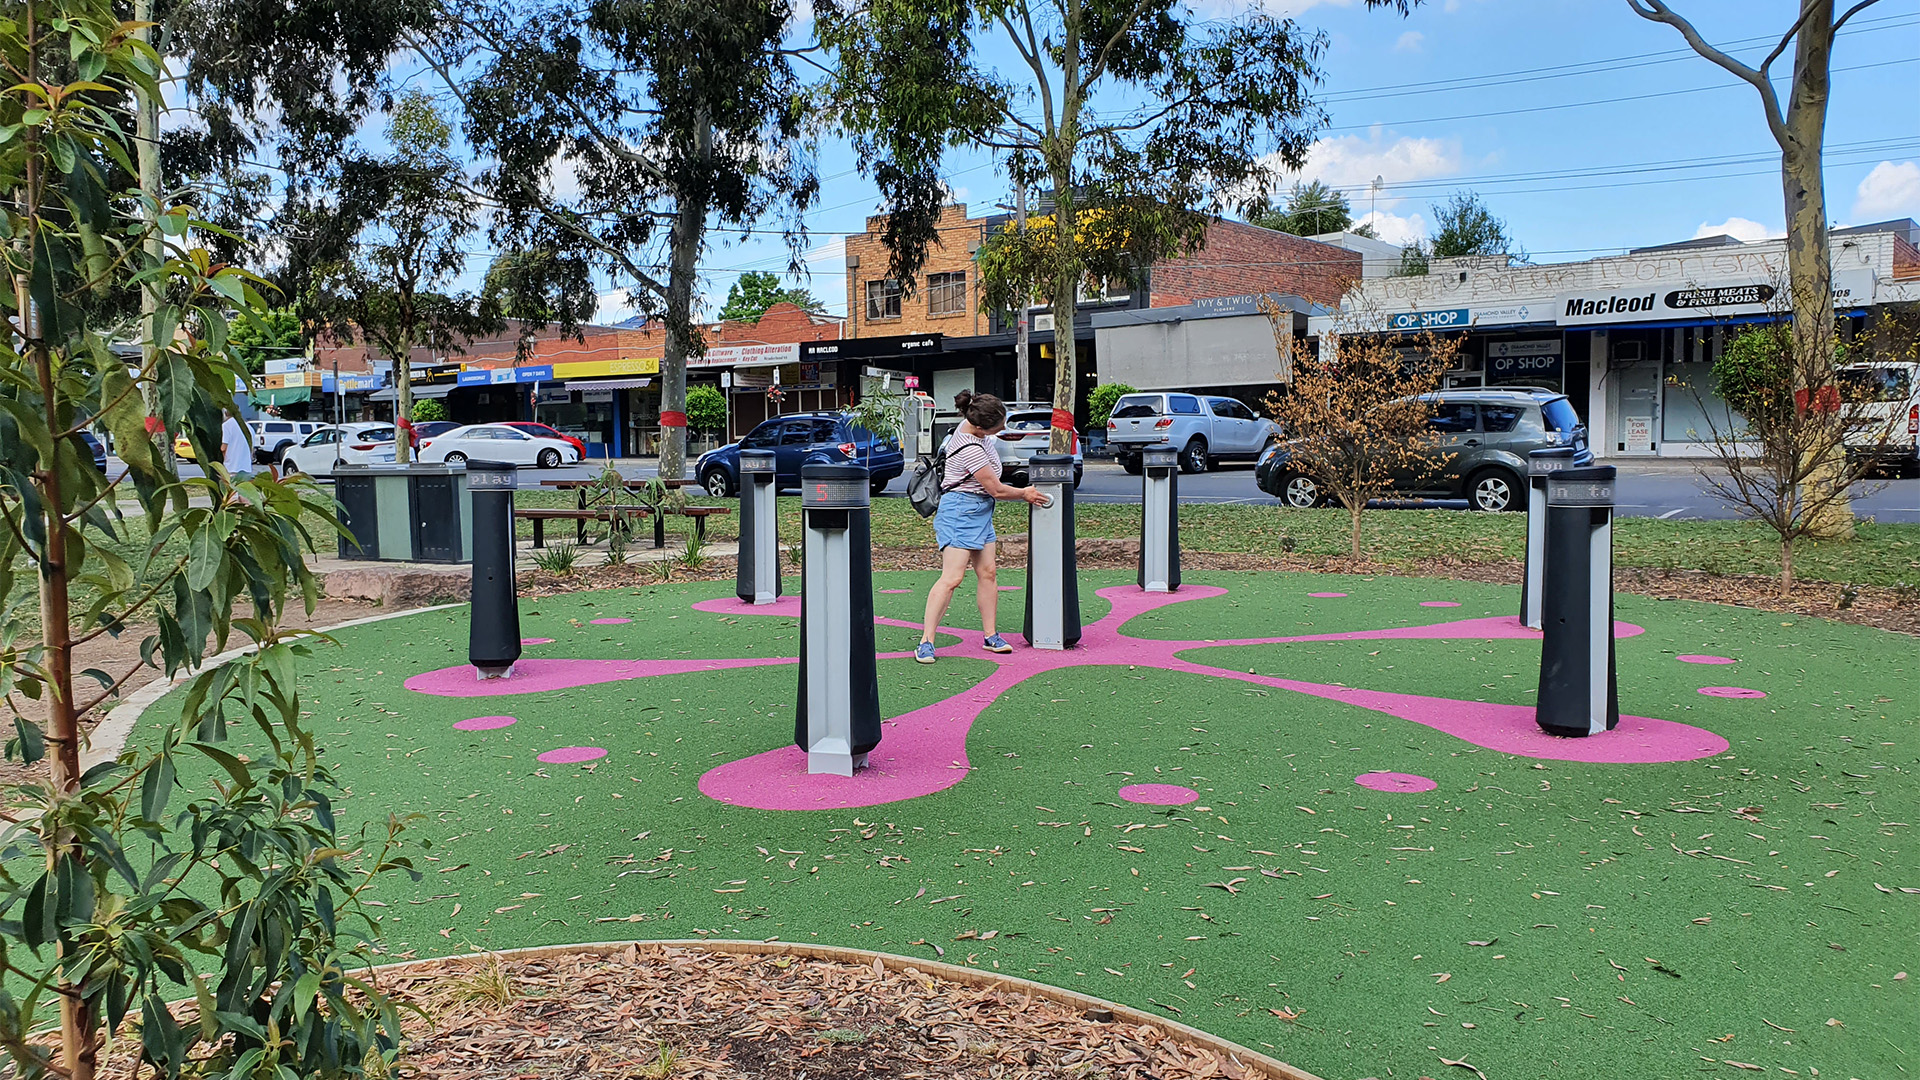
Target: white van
[(1884, 404)]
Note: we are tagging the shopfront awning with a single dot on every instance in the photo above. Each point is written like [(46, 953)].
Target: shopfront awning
[(608, 384), (282, 395), (432, 390)]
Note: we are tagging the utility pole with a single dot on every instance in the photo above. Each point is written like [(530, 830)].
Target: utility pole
[(146, 132), (1022, 374)]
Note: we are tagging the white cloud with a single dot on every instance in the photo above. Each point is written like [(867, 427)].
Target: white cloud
[(1352, 161), (1410, 42), (1393, 228), (614, 306), (1742, 229), (1891, 190)]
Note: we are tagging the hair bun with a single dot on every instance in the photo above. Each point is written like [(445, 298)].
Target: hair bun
[(961, 400)]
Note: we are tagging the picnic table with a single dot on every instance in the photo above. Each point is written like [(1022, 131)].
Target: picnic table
[(585, 511)]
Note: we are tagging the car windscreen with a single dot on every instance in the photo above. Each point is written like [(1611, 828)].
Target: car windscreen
[(1030, 421), (1136, 407), (1864, 385), (1560, 415), (374, 434)]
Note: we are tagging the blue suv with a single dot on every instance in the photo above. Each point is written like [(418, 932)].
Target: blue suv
[(800, 439)]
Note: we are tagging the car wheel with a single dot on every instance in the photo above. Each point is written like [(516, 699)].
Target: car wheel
[(1078, 472), (549, 458), (1131, 463), (1493, 491), (288, 466), (455, 457), (1302, 493), (1193, 459), (877, 487), (716, 484)]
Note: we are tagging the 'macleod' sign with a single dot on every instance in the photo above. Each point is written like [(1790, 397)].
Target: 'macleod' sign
[(1635, 305)]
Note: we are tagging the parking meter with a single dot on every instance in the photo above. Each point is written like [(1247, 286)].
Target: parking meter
[(1160, 520), (493, 618), (1541, 464), (758, 578), (1052, 620), (1578, 693), (837, 716)]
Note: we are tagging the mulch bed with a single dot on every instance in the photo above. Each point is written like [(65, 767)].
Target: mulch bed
[(703, 1015), (1882, 608)]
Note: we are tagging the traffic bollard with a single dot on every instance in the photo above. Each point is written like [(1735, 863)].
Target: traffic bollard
[(1052, 619), (493, 617), (1160, 520), (758, 579), (837, 716), (1541, 464), (1578, 692)]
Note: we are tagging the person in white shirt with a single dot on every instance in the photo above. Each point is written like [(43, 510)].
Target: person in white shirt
[(236, 448)]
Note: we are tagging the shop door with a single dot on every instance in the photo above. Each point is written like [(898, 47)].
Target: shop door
[(1636, 408)]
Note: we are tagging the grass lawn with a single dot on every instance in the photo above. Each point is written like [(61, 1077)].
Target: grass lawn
[(1533, 917)]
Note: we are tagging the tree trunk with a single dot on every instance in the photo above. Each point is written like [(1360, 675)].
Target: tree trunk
[(1786, 567), (147, 155), (403, 400), (1066, 290), (684, 242), (1354, 508), (1809, 261)]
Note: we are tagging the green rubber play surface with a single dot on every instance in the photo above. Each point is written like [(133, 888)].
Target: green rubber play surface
[(1531, 916)]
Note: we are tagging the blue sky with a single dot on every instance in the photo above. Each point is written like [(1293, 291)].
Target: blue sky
[(1587, 128)]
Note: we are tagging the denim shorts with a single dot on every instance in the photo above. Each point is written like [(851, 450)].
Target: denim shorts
[(964, 520)]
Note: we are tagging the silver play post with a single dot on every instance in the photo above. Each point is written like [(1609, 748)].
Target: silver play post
[(837, 716), (1160, 520), (758, 579), (1052, 618)]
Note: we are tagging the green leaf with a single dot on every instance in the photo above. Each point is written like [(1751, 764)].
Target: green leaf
[(33, 741), (204, 556)]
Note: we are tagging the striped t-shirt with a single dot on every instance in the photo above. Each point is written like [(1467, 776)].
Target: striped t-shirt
[(966, 455)]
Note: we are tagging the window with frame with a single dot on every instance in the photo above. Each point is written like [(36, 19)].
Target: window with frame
[(883, 299), (947, 294)]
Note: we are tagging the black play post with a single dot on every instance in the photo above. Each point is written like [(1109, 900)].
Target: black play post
[(493, 641), (1578, 692), (837, 714), (1052, 619)]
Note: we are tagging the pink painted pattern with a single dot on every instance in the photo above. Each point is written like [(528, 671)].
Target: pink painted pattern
[(608, 622), (1699, 658), (1439, 603), (573, 755), (733, 605), (924, 751), (1732, 692), (483, 723), (1159, 794), (536, 641), (1395, 781), (1326, 595), (896, 590)]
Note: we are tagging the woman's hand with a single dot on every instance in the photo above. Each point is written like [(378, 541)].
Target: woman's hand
[(1034, 496)]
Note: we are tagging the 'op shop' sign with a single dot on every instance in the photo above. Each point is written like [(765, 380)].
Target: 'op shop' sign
[(1690, 302), (1443, 319)]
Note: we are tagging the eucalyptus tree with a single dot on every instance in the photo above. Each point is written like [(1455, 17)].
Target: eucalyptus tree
[(624, 132), (1143, 119)]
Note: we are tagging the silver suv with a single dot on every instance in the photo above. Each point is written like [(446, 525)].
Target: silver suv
[(1203, 429)]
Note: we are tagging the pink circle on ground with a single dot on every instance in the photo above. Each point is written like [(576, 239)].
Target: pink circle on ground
[(536, 641), (1159, 794), (608, 622), (896, 590), (1697, 658), (1326, 595), (572, 755), (1732, 691), (1395, 781), (1439, 603), (482, 723)]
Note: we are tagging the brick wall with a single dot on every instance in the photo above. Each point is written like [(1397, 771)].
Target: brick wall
[(867, 260), (1241, 259)]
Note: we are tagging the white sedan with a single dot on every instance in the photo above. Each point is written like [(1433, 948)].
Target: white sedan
[(498, 442), (354, 444)]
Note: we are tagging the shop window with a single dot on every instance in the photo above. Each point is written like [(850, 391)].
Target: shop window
[(883, 299), (1106, 290), (947, 294)]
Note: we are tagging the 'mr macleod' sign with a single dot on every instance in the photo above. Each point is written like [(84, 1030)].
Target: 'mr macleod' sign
[(1633, 305)]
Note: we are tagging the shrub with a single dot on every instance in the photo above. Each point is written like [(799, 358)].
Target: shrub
[(428, 410), (1100, 402), (706, 409)]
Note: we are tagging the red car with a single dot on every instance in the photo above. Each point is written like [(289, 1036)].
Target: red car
[(546, 432)]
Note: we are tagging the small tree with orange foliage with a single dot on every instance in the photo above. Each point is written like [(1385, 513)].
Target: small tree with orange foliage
[(1355, 419)]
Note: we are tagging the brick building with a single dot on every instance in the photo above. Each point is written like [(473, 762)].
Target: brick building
[(937, 332)]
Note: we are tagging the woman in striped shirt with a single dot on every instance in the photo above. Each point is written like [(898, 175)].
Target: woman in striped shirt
[(964, 523)]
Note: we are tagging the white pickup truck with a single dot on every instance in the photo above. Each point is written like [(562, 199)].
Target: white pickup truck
[(1203, 429)]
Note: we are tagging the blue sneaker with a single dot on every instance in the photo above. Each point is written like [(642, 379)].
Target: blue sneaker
[(924, 653), (998, 644)]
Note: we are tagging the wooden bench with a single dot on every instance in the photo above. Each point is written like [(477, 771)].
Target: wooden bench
[(540, 515)]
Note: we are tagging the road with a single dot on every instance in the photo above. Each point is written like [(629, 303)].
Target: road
[(1665, 490)]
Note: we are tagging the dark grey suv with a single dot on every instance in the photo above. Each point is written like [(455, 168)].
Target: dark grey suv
[(1484, 436)]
